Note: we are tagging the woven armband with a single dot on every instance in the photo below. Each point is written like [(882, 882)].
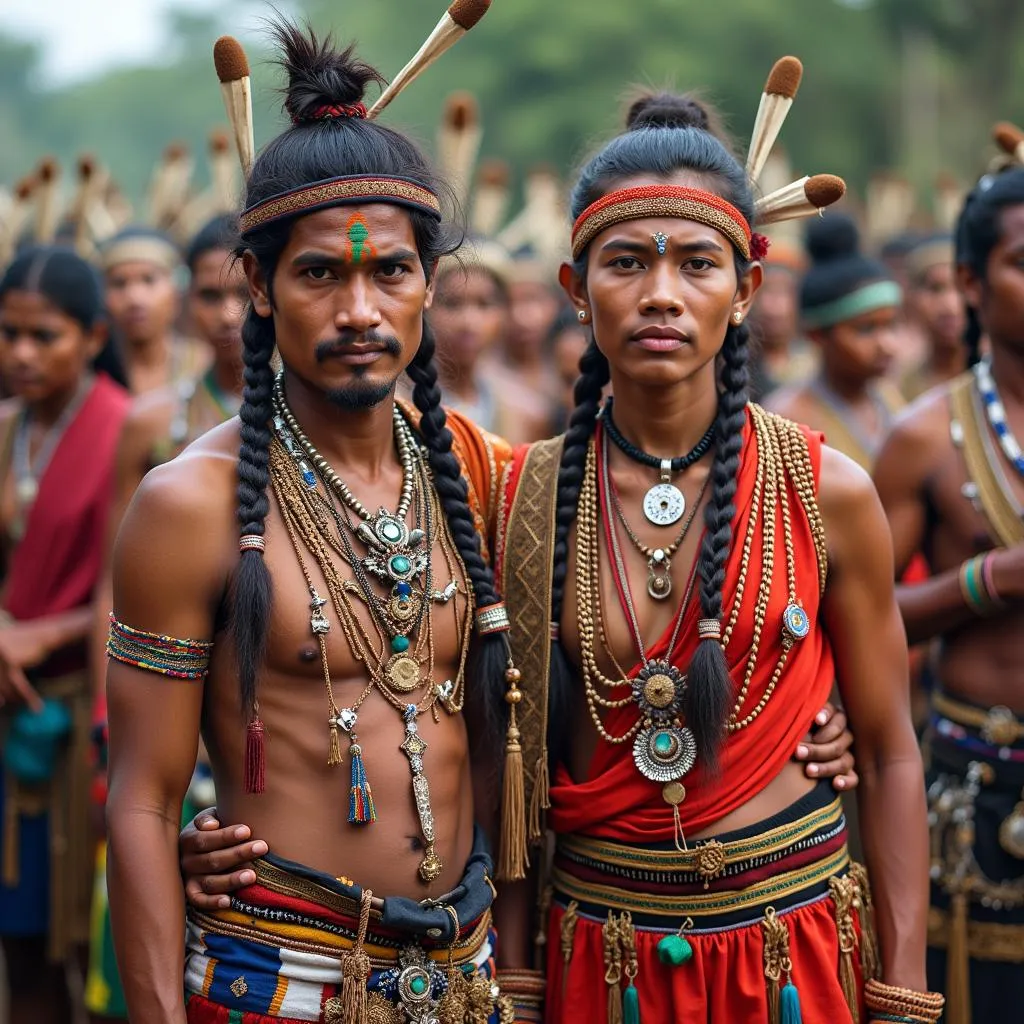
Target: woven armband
[(167, 655), (522, 993)]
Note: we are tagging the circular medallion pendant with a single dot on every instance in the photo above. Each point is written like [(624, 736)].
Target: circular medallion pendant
[(1011, 833), (659, 689), (403, 673), (664, 753), (795, 622), (664, 504)]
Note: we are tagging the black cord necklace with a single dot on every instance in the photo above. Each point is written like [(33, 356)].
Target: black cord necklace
[(664, 503)]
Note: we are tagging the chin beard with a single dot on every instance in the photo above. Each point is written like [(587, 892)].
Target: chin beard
[(361, 394)]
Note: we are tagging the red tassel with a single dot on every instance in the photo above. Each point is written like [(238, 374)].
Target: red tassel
[(255, 757)]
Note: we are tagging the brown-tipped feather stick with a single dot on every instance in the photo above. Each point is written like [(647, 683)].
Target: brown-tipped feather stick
[(236, 88), (776, 101)]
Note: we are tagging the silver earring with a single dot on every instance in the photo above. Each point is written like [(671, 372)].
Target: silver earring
[(737, 318), (581, 315)]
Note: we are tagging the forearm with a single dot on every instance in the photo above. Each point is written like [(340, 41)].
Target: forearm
[(933, 607), (894, 830), (147, 912)]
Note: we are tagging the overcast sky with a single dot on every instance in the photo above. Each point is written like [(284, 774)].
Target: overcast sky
[(84, 36)]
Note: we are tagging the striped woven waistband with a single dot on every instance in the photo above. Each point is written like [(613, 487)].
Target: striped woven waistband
[(717, 883)]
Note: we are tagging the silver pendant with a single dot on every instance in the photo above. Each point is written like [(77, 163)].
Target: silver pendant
[(26, 489), (396, 553), (659, 575), (659, 689), (664, 753), (1011, 833), (664, 504)]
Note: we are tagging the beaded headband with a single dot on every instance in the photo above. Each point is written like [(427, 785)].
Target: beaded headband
[(662, 201), (349, 190)]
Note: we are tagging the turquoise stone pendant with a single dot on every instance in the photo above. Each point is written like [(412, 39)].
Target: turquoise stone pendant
[(674, 950)]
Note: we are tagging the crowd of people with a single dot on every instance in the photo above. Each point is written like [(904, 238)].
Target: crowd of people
[(513, 630)]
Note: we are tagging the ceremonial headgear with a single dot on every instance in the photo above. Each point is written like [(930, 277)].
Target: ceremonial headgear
[(801, 198), (352, 189)]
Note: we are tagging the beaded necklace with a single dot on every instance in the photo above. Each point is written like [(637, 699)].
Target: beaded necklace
[(394, 666), (664, 503), (996, 413), (782, 459)]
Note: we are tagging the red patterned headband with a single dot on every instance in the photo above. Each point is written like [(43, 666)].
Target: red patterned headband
[(665, 201), (350, 190)]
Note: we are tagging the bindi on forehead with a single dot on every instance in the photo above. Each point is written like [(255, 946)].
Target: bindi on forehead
[(359, 246)]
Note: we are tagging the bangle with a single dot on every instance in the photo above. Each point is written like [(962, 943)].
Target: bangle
[(522, 993), (976, 594), (902, 1005), (988, 580)]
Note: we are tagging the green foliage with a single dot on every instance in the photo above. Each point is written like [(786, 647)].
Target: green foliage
[(550, 78)]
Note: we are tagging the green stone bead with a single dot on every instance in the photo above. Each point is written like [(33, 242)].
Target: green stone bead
[(400, 644), (663, 743), (674, 950), (400, 565), (418, 985)]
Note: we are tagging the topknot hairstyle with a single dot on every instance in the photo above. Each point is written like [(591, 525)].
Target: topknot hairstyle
[(978, 231), (665, 135), (315, 148), (71, 284), (838, 267)]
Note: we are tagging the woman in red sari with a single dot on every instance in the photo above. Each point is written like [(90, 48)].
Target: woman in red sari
[(698, 874)]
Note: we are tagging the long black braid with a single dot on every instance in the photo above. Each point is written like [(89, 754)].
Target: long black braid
[(252, 587), (488, 654), (594, 375), (710, 689)]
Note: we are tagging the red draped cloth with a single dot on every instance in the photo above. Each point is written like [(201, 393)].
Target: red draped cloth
[(725, 980), (615, 801), (55, 566)]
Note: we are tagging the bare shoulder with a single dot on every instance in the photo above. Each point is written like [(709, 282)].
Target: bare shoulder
[(148, 422), (178, 541), (922, 428), (850, 508)]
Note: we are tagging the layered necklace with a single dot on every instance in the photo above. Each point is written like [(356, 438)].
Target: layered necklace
[(323, 518), (664, 750), (664, 503)]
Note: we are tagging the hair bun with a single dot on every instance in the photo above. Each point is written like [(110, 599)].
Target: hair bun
[(668, 110), (319, 76), (832, 238)]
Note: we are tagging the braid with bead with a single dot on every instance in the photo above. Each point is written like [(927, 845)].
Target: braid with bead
[(252, 589), (594, 375), (710, 688), (489, 653)]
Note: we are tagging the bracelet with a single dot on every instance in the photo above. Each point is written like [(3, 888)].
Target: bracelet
[(988, 580), (902, 1005), (978, 593), (523, 994)]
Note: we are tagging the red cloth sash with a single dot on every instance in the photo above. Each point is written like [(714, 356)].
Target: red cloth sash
[(615, 801), (55, 566)]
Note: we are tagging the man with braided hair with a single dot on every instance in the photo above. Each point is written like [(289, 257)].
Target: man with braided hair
[(321, 559), (698, 874)]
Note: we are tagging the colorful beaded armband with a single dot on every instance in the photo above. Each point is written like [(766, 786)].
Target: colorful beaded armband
[(180, 659)]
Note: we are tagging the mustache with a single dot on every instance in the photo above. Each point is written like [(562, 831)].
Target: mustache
[(338, 346)]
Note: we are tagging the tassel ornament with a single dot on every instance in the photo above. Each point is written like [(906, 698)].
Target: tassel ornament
[(514, 858), (255, 756), (776, 101), (871, 962), (355, 970), (843, 895), (789, 1005), (360, 800), (539, 798), (631, 997), (612, 968), (460, 17)]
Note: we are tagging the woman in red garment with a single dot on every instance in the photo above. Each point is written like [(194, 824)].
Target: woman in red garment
[(698, 874)]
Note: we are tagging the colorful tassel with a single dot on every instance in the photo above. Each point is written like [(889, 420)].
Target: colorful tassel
[(631, 1006), (334, 754), (255, 757), (789, 1004), (360, 799)]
